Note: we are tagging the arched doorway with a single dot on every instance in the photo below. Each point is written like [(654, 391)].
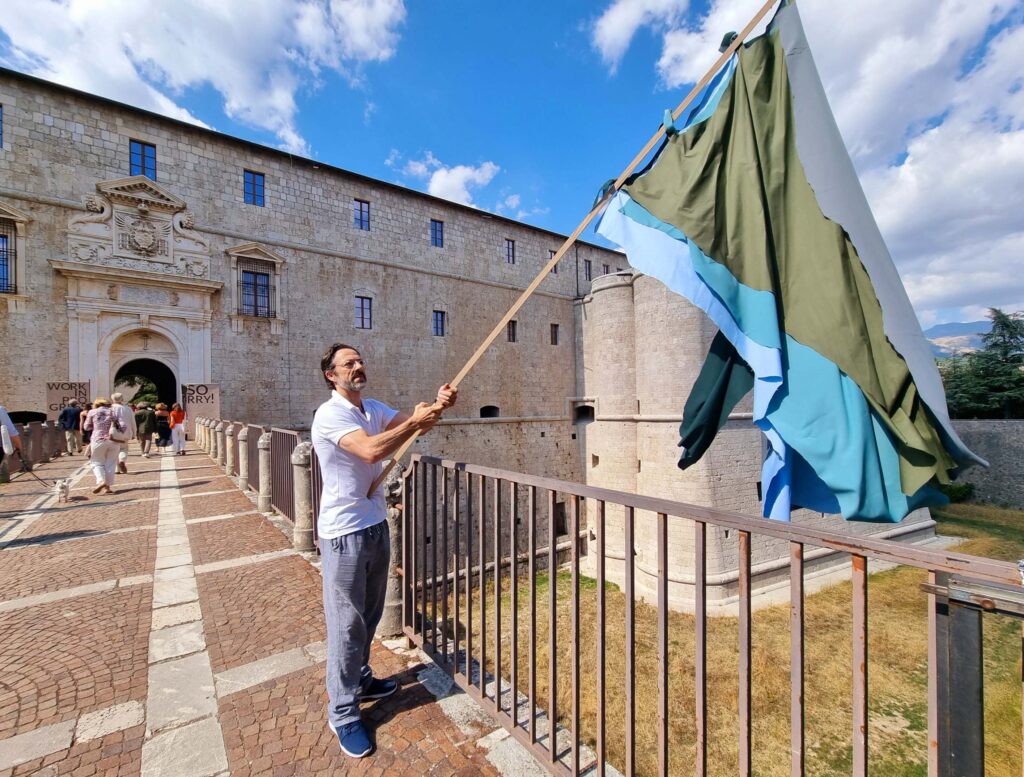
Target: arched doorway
[(157, 373)]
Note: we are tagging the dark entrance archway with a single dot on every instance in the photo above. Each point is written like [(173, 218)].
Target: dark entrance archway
[(156, 372)]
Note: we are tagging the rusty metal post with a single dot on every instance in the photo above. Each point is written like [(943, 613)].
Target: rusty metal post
[(229, 450), (263, 502), (302, 496), (243, 458)]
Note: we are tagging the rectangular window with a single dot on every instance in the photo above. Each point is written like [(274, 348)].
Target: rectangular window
[(142, 159), (364, 313), (437, 233), (607, 269), (361, 215), (510, 251), (512, 331), (588, 271), (551, 255), (8, 240), (438, 323), (252, 188), (554, 334), (1, 126), (256, 294)]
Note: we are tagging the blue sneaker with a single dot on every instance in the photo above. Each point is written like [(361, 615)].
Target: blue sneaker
[(353, 739), (378, 689)]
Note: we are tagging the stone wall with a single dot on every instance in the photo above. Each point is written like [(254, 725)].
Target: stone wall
[(1001, 444)]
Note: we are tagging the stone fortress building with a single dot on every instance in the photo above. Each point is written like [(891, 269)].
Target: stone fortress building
[(131, 242)]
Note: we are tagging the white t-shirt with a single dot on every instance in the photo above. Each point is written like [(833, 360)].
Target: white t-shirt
[(344, 506)]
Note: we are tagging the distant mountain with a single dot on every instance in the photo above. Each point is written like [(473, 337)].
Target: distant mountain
[(952, 339)]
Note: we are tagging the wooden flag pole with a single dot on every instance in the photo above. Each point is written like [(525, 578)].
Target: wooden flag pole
[(500, 326)]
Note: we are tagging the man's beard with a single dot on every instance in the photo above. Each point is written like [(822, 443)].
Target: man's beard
[(355, 383)]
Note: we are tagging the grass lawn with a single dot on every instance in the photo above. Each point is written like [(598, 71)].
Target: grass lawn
[(897, 669)]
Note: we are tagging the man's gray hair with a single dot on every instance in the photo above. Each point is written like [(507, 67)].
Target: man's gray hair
[(117, 396), (73, 403)]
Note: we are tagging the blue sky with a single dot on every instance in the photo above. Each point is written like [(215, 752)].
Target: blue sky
[(526, 108)]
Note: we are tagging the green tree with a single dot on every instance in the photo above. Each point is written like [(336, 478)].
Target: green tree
[(146, 390), (989, 383)]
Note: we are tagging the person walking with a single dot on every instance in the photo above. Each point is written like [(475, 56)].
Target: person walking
[(70, 421), (86, 436), (163, 426), (177, 423), (145, 427), (352, 435), (127, 418), (10, 437), (99, 422)]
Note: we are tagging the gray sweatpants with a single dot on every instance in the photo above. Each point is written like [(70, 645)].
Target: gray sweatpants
[(355, 574)]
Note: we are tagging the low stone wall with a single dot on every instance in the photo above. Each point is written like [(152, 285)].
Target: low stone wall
[(1001, 444)]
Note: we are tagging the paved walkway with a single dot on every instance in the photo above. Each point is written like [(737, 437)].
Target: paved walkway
[(169, 630)]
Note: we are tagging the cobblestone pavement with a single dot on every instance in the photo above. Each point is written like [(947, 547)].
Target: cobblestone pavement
[(168, 630)]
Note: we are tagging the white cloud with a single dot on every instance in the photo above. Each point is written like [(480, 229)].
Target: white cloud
[(616, 27), (930, 104), (256, 55), (454, 183), (450, 182)]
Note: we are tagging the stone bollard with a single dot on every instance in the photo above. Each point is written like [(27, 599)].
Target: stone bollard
[(229, 450), (59, 444), (26, 446), (213, 440), (263, 501), (243, 458), (221, 429), (207, 436), (391, 620), (302, 494), (199, 432), (44, 440)]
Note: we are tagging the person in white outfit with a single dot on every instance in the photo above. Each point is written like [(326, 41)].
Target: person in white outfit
[(127, 418), (103, 454)]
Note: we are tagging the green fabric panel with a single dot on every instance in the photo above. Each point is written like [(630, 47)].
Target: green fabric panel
[(723, 381), (736, 187)]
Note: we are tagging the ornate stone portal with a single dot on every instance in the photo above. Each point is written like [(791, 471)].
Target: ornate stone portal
[(135, 266)]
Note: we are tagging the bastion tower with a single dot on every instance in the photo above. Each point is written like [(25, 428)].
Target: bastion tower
[(641, 348)]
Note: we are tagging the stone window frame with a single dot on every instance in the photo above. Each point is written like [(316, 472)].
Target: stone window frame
[(551, 255), (361, 214), (15, 300), (254, 193), (588, 270), (510, 251), (437, 233), (362, 314), (512, 331), (442, 319), (143, 145), (257, 252), (554, 334)]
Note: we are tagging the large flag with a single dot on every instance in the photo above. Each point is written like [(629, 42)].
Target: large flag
[(752, 210)]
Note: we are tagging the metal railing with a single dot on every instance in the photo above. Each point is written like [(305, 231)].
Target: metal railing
[(478, 541), (282, 443)]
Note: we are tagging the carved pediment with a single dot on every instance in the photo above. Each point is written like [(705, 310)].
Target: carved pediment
[(136, 224), (254, 251), (140, 192), (13, 214)]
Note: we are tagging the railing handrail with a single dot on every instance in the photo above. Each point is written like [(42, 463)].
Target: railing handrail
[(881, 550)]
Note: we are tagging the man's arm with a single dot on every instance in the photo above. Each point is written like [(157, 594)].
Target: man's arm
[(377, 447)]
